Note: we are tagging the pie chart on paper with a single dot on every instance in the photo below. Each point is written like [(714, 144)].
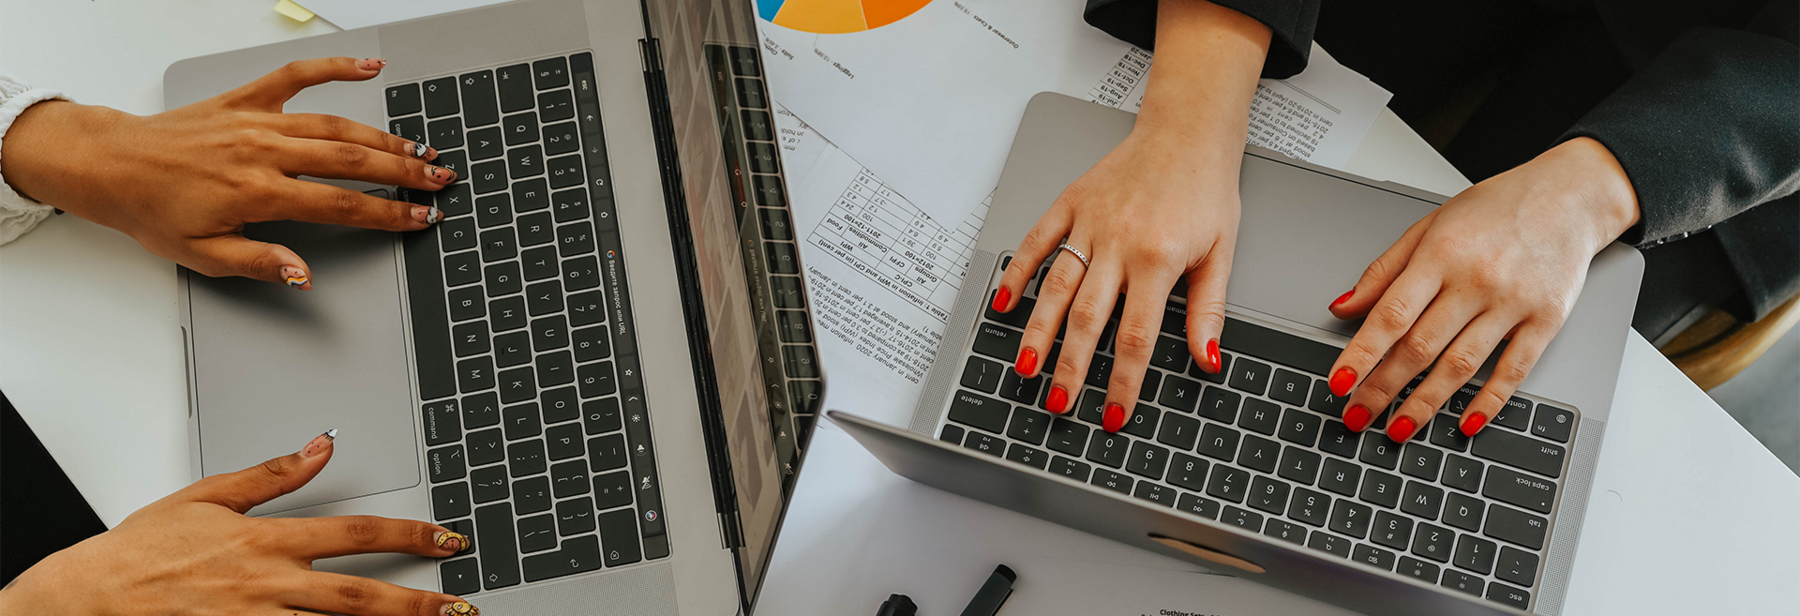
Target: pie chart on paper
[(836, 16)]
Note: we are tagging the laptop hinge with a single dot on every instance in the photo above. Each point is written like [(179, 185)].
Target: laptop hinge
[(693, 306)]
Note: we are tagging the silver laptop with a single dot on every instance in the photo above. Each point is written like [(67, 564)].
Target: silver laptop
[(1249, 472), (600, 364)]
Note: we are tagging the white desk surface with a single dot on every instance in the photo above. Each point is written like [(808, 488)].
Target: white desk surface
[(1690, 514)]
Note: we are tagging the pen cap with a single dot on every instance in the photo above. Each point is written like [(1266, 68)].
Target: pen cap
[(993, 593), (898, 605)]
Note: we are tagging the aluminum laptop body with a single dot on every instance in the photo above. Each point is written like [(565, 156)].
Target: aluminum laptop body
[(599, 364), (1441, 506)]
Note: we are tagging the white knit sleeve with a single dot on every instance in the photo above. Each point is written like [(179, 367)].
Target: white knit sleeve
[(17, 213)]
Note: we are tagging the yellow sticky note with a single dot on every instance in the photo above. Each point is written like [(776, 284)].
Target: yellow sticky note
[(293, 11)]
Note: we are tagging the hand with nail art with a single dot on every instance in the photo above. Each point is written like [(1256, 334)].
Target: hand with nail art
[(195, 552), (183, 183), (1161, 207), (1504, 260)]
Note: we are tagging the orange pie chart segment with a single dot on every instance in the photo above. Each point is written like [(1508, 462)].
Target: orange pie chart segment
[(836, 16)]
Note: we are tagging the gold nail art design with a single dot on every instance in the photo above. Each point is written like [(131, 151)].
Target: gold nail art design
[(452, 540), (461, 608)]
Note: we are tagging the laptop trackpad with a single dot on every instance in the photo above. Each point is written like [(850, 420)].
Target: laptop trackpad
[(274, 366)]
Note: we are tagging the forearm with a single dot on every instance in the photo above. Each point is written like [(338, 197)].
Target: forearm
[(47, 157), (1208, 59)]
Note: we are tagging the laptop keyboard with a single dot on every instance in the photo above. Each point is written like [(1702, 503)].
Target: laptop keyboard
[(534, 416), (1260, 446), (747, 125)]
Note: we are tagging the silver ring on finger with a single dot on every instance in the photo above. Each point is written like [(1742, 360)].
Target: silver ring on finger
[(1078, 254)]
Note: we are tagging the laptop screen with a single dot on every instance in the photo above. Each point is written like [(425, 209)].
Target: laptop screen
[(766, 380)]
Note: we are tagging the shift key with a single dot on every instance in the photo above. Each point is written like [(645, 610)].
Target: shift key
[(499, 553), (1525, 452)]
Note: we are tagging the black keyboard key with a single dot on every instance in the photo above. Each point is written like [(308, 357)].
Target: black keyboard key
[(560, 138), (1462, 581), (403, 100), (1108, 449), (1391, 530), (1553, 423), (526, 457), (560, 404), (1250, 375), (1433, 542), (1379, 450), (1538, 456), (1447, 434), (551, 73), (443, 422), (1170, 354), (467, 303), (514, 84), (1216, 378), (596, 380), (1068, 437), (787, 290), (1462, 473), (980, 411), (591, 344), (1147, 460), (1512, 525), (1099, 371), (1421, 461), (1218, 404), (1381, 488), (1154, 493), (776, 226), (1464, 512), (1218, 442), (1422, 500), (1289, 387), (498, 552), (475, 374), (1285, 531), (578, 555), (488, 484), (601, 416), (1373, 556), (1260, 416), (1188, 472), (1142, 423), (1091, 406), (549, 333), (519, 129), (444, 134), (1300, 427), (1178, 431), (982, 375), (1194, 504), (796, 329), (1035, 458), (518, 385), (536, 230), (1340, 477), (1517, 566), (498, 245), (1418, 569), (612, 490), (1323, 401), (1509, 486), (440, 97), (446, 463), (531, 495), (997, 342), (581, 273), (530, 195), (562, 442), (486, 143), (569, 478), (1259, 453), (1516, 414), (1070, 468), (1309, 507), (479, 105), (1020, 315), (1329, 543), (782, 258), (1299, 465), (1020, 390), (564, 171), (503, 278), (1475, 554), (458, 234), (487, 177), (1116, 482), (951, 434), (1242, 518), (460, 577), (1028, 425), (1228, 483), (460, 269), (619, 538), (411, 129), (524, 162), (985, 443), (1268, 495), (556, 105), (536, 534), (512, 349), (1351, 518), (1182, 394), (486, 447)]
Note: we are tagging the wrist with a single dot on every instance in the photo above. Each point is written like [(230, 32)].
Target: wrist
[(1208, 59), (47, 153), (1599, 188)]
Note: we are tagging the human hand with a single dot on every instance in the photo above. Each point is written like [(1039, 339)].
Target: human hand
[(1503, 260), (194, 552), (183, 183)]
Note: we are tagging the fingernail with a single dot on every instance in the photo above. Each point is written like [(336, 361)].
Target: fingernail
[(319, 443), (371, 64), (295, 277), (1114, 419), (461, 608), (1212, 356), (418, 150), (451, 540), (1001, 298), (1058, 400), (1356, 418), (1342, 380), (1027, 363), (1473, 423), (428, 214), (439, 173), (1401, 429), (1343, 298)]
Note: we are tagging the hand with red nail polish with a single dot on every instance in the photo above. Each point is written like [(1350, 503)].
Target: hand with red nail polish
[(185, 182), (1161, 208), (1504, 260), (195, 552)]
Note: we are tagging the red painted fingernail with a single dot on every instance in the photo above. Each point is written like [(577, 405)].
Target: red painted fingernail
[(1001, 298), (1212, 356), (1343, 298), (1356, 418), (1473, 423), (1058, 400), (1342, 380), (1114, 418), (1027, 363), (1401, 428)]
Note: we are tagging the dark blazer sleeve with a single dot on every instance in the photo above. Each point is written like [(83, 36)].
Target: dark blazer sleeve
[(1708, 130), (1291, 22)]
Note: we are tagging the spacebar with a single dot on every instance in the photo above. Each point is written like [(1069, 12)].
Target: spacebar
[(430, 317), (1282, 348)]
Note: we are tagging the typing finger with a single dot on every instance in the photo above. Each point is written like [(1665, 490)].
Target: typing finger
[(1139, 331), (1037, 246), (350, 161), (327, 127), (1411, 355), (270, 91), (310, 539), (1455, 366), (1515, 363), (337, 593), (1065, 279), (320, 203), (1400, 306), (1381, 273), (1206, 306), (1087, 334)]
